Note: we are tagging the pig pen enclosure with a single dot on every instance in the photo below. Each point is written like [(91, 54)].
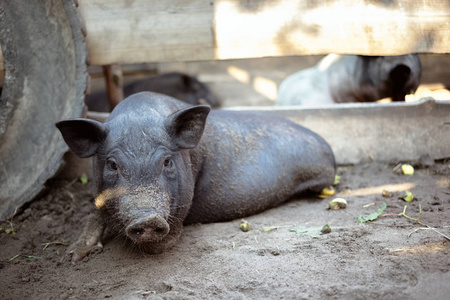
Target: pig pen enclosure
[(241, 50)]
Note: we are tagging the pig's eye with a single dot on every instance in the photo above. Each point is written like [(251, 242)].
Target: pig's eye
[(112, 165), (168, 163)]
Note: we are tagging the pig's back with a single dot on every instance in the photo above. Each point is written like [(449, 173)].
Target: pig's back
[(252, 161)]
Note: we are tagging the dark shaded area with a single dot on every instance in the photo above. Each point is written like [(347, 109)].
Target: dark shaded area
[(178, 85), (250, 6), (400, 76)]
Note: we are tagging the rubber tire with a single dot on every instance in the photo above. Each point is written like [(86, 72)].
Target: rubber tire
[(45, 81)]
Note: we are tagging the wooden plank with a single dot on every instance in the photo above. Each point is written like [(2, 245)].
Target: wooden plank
[(390, 132), (123, 31), (120, 31), (114, 84), (148, 31), (341, 26)]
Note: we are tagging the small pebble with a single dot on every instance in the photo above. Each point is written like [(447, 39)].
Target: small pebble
[(337, 203), (407, 169)]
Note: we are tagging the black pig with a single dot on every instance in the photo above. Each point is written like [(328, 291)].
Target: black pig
[(352, 78), (178, 85), (159, 163)]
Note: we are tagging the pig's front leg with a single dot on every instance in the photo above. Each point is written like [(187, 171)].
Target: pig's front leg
[(89, 238)]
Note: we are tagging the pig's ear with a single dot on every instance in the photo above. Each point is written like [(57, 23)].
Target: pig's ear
[(186, 126), (83, 136)]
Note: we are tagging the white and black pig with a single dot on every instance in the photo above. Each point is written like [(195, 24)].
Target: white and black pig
[(352, 78)]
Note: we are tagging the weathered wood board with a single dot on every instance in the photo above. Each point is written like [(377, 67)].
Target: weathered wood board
[(125, 31), (120, 31), (384, 132)]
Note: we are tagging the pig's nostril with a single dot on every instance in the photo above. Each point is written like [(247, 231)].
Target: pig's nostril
[(160, 231), (151, 229), (146, 233)]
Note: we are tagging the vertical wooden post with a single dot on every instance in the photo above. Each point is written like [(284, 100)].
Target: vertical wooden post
[(114, 84)]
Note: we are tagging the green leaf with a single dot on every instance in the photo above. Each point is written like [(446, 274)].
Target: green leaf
[(14, 257), (325, 229), (313, 232), (372, 216), (337, 179), (84, 178), (408, 197), (9, 231), (22, 255)]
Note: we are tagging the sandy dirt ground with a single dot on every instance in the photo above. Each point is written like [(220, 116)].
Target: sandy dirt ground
[(390, 258)]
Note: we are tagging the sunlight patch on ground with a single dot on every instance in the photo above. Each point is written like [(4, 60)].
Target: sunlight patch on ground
[(421, 249), (261, 85), (266, 87), (239, 74), (378, 189)]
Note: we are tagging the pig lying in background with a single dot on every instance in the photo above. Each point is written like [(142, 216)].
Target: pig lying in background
[(159, 163), (352, 78), (178, 85)]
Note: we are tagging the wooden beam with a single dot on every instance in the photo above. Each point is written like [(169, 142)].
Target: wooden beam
[(148, 31), (120, 31), (114, 84), (388, 132)]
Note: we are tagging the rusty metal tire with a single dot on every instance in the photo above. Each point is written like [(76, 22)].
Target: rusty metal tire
[(45, 81)]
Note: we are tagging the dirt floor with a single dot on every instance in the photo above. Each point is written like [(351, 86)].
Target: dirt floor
[(390, 258)]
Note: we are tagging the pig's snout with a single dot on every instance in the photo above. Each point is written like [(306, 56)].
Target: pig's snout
[(148, 229)]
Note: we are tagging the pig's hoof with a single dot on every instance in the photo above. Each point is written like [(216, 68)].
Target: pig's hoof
[(80, 250)]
